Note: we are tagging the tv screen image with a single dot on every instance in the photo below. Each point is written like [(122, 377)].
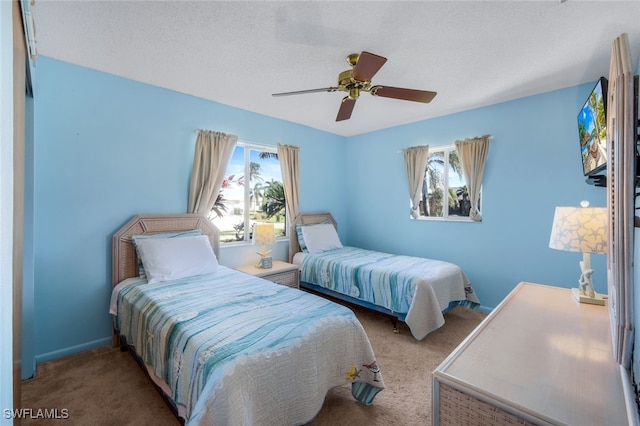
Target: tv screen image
[(592, 130)]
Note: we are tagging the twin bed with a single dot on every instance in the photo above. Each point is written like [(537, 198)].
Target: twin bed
[(229, 348), (414, 290)]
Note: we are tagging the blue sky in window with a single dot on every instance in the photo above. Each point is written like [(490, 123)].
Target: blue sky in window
[(269, 169), (455, 180)]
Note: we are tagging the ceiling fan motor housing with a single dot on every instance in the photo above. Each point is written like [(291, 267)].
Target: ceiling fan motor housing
[(347, 83)]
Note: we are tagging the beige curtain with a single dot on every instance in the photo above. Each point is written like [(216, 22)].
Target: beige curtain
[(290, 168), (212, 155), (621, 142), (415, 162), (473, 156)]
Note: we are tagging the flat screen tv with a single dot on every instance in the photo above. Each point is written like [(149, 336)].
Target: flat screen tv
[(592, 130)]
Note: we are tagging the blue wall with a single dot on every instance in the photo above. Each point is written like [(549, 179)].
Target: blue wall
[(107, 148), (533, 166)]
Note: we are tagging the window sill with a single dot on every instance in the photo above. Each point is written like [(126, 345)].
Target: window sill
[(249, 243), (445, 219)]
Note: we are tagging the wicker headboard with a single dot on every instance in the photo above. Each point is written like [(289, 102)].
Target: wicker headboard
[(306, 219), (124, 260)]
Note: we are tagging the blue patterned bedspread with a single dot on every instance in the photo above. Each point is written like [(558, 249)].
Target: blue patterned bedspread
[(420, 288), (236, 349)]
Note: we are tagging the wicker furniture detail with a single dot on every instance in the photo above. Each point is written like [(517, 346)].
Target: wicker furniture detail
[(306, 219), (539, 358), (282, 273), (125, 261), (458, 408)]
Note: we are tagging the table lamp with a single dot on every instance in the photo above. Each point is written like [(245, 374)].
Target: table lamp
[(264, 234), (581, 229)]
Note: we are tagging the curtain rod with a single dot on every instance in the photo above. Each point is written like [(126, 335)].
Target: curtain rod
[(244, 141), (490, 137)]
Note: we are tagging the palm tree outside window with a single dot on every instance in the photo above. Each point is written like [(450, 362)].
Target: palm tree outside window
[(251, 192), (444, 192)]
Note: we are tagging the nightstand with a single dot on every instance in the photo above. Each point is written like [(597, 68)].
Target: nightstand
[(280, 273)]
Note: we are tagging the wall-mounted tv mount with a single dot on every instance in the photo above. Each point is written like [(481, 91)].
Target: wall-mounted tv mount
[(597, 180)]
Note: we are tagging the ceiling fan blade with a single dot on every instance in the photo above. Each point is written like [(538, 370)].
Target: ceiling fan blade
[(301, 92), (367, 66), (346, 108), (404, 94)]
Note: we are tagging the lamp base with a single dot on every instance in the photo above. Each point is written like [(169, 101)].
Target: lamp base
[(265, 262), (597, 300)]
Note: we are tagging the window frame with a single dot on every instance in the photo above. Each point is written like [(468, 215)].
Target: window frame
[(248, 147), (445, 201)]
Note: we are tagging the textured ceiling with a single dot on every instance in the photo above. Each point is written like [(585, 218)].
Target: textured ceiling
[(473, 53)]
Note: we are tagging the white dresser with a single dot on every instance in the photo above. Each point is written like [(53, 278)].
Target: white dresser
[(539, 358)]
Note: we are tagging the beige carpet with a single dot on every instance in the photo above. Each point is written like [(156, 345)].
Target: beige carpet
[(107, 387)]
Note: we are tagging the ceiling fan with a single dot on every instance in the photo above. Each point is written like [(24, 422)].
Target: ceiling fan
[(358, 79)]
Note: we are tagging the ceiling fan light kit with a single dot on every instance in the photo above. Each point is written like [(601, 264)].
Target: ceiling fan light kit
[(358, 79)]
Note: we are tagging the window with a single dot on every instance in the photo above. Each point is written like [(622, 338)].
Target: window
[(243, 202), (444, 192)]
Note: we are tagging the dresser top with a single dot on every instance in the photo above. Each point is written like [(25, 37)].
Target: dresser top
[(542, 352)]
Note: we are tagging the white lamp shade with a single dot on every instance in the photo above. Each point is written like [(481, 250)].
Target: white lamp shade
[(264, 234), (579, 229)]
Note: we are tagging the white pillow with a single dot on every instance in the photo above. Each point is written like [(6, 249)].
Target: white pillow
[(321, 237), (179, 234), (172, 258)]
